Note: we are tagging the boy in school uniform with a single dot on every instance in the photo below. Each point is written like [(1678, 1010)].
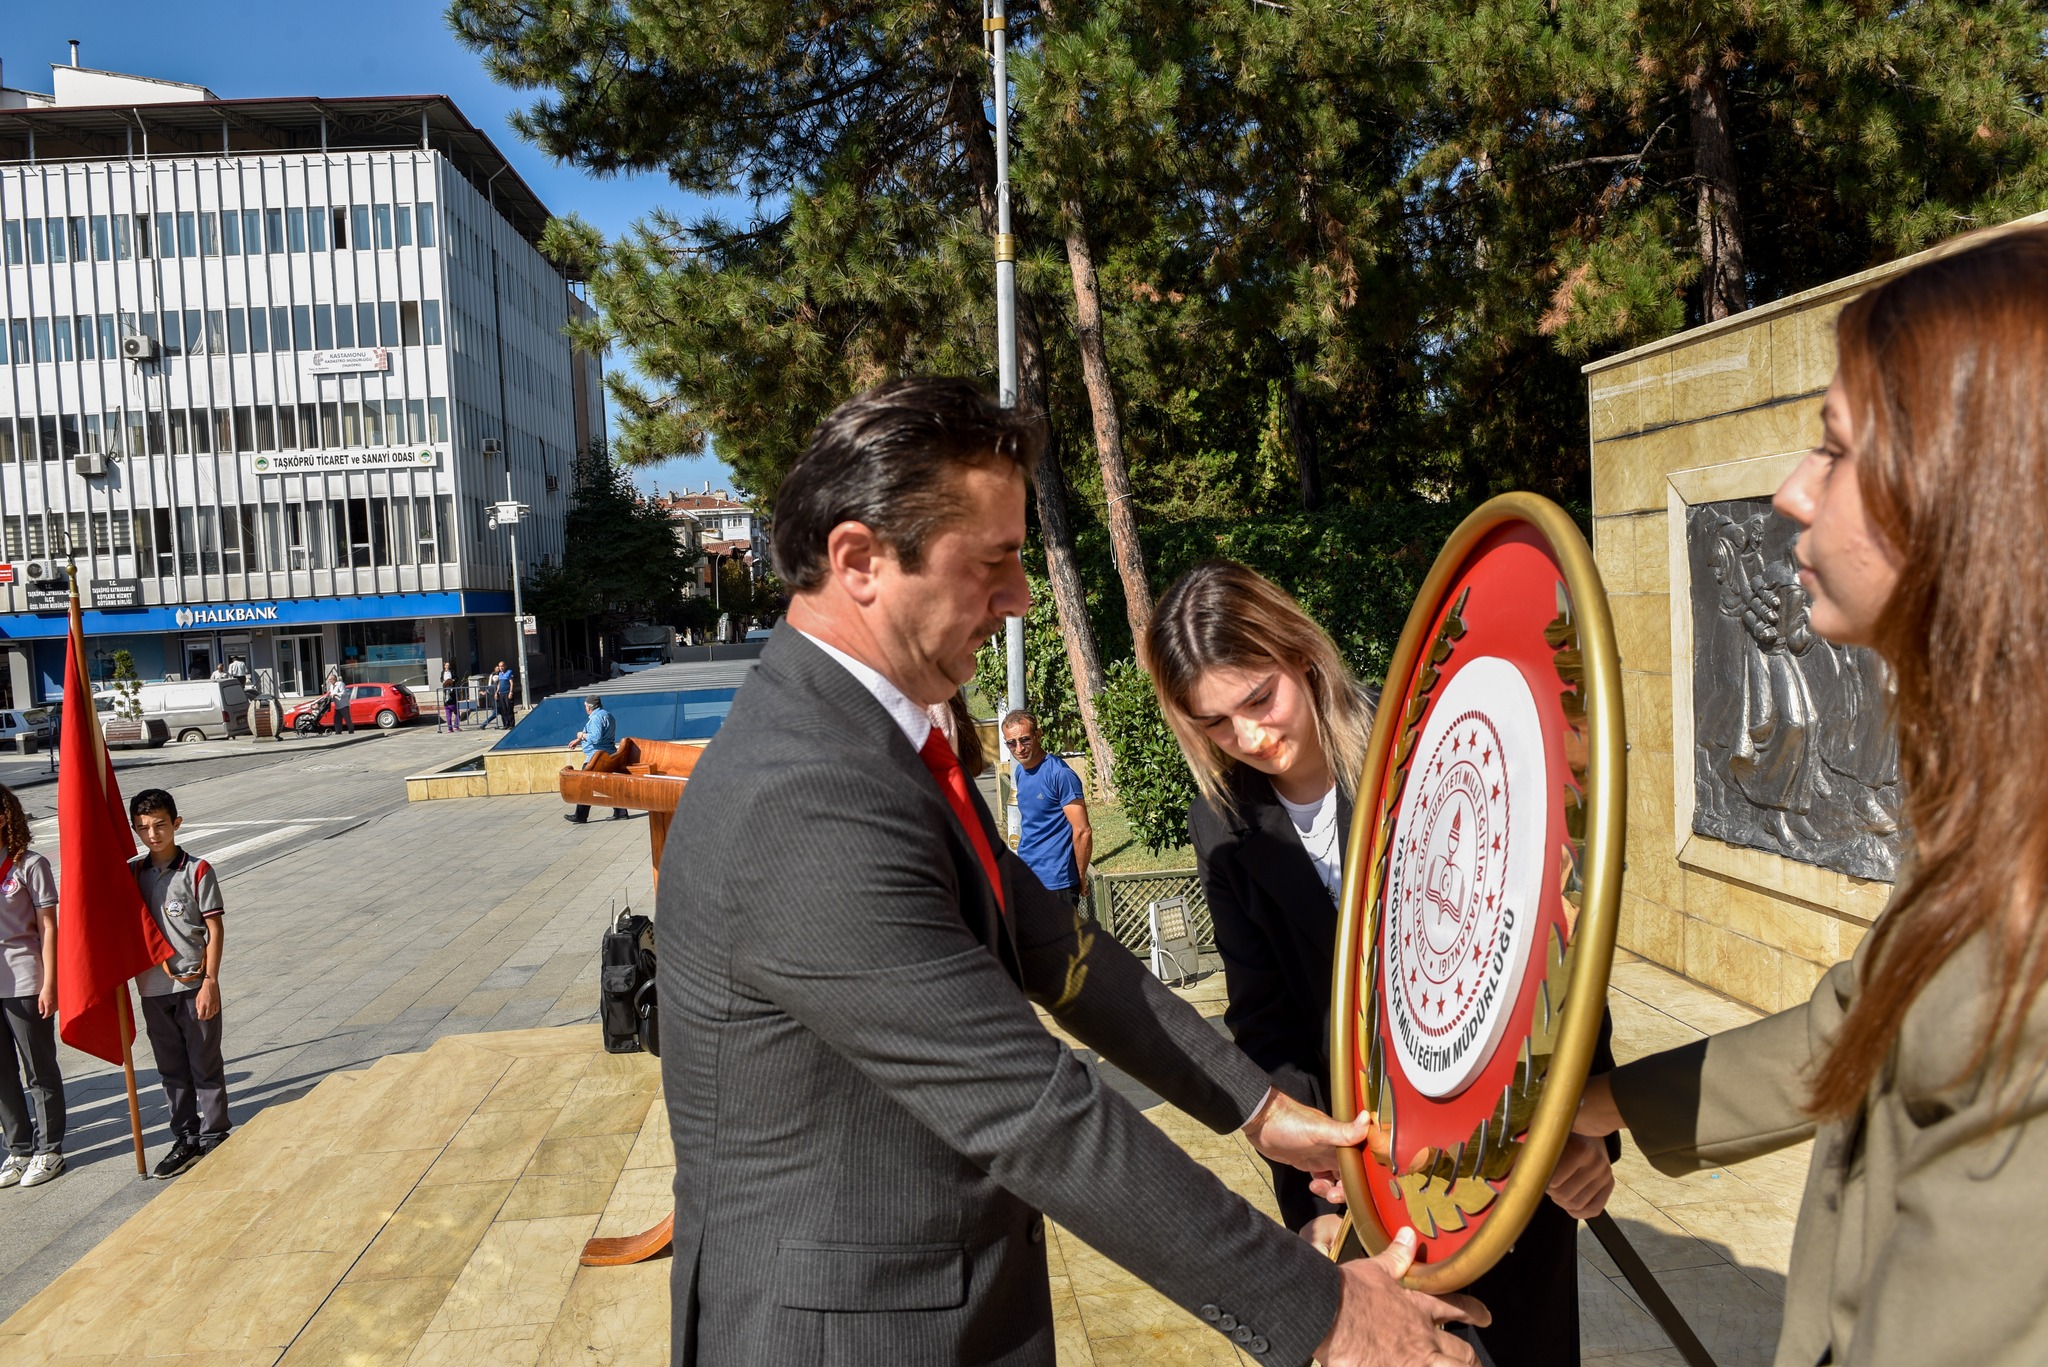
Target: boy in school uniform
[(181, 996)]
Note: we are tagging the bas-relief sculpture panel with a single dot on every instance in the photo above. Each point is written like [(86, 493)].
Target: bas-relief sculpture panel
[(1794, 751)]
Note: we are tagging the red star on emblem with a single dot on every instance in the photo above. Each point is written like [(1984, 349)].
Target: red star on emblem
[(1496, 844), (1475, 953), (1457, 745), (1495, 794), (1487, 758), (1491, 898), (1411, 977), (1459, 988)]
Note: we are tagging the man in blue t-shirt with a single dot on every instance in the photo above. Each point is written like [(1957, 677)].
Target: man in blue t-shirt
[(1057, 841)]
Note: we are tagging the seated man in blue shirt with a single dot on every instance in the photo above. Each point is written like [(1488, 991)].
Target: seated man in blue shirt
[(1057, 841), (599, 736)]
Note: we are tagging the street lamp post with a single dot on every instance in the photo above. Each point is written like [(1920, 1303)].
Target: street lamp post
[(995, 23), (507, 515)]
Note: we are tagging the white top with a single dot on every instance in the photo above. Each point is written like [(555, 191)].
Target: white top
[(1316, 825), (915, 721)]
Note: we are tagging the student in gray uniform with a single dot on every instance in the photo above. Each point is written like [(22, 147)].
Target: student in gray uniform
[(181, 996), (28, 999)]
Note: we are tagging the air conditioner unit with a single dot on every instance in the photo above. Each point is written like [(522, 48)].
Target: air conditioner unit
[(493, 447), (89, 464), (37, 570), (138, 348), (554, 484)]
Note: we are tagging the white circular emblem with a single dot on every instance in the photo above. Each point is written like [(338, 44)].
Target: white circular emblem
[(1464, 877)]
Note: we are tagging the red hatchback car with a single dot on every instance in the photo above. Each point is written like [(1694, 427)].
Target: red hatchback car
[(381, 705)]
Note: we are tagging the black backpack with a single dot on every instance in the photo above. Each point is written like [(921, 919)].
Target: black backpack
[(627, 1008)]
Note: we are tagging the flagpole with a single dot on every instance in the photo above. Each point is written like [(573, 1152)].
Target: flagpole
[(126, 1028), (128, 1075)]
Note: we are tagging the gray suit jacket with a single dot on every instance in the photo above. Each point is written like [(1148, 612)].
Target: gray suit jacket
[(868, 1117)]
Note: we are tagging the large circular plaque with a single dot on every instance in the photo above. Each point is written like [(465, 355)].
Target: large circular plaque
[(1480, 891)]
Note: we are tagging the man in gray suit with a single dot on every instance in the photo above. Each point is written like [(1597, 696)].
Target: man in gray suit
[(868, 1117)]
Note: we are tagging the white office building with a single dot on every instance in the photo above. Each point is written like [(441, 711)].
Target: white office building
[(269, 363)]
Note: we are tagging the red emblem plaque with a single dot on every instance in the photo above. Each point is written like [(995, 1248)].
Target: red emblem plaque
[(1480, 890)]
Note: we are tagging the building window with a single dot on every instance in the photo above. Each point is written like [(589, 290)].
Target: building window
[(238, 332), (323, 328), (316, 229), (188, 235), (338, 220), (302, 327), (10, 235), (34, 228), (61, 334), (56, 226), (416, 421), (409, 323), (209, 235), (437, 420), (402, 221), (382, 214), (387, 325), (366, 325), (259, 329), (41, 331), (110, 337), (273, 230), (102, 245), (423, 216), (351, 424), (230, 233), (430, 321), (358, 227), (287, 428)]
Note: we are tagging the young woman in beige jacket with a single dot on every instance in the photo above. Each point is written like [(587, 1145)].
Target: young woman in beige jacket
[(1922, 1066)]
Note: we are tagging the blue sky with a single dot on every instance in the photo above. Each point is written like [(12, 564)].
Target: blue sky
[(366, 47)]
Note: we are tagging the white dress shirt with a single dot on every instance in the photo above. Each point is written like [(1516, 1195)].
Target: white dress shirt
[(908, 715)]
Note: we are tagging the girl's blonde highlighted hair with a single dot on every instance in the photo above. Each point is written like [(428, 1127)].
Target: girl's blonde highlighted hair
[(1223, 615)]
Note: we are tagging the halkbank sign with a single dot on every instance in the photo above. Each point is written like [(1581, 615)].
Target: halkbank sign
[(234, 614)]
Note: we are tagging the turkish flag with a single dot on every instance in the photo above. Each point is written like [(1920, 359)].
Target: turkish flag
[(105, 935)]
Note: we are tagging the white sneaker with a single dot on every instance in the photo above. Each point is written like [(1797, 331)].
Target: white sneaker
[(12, 1169), (44, 1167)]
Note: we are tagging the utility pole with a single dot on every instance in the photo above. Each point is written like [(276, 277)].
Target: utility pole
[(995, 24)]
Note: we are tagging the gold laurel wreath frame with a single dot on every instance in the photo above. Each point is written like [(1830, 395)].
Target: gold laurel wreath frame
[(1572, 1000)]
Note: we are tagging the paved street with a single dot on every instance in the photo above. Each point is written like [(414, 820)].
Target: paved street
[(387, 927)]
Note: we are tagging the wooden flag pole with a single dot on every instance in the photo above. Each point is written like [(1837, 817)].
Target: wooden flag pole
[(128, 1072)]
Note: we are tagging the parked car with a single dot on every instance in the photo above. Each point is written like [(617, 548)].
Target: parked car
[(633, 659), (192, 709), (14, 725), (381, 705)]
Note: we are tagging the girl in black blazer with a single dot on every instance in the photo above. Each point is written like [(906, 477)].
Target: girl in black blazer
[(1275, 729)]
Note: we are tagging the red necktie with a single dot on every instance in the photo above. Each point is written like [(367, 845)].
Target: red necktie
[(939, 758)]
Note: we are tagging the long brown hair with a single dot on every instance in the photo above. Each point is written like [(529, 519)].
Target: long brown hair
[(13, 824), (1946, 371), (1223, 615)]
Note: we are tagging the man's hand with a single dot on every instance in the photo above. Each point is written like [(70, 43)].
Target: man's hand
[(46, 1000), (1584, 1178), (1303, 1137), (1381, 1323), (207, 1004)]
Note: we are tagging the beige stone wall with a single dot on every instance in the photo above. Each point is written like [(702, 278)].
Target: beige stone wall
[(1723, 411)]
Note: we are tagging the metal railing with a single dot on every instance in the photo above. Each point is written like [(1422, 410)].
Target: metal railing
[(1118, 901)]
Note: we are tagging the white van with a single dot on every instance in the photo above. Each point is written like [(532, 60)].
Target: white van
[(195, 709)]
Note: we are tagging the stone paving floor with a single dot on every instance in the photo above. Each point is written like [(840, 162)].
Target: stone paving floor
[(369, 928)]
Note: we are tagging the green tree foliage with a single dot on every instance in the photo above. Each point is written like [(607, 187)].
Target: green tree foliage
[(621, 560)]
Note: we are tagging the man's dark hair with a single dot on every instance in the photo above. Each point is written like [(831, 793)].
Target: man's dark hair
[(591, 700), (884, 458), (150, 801)]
